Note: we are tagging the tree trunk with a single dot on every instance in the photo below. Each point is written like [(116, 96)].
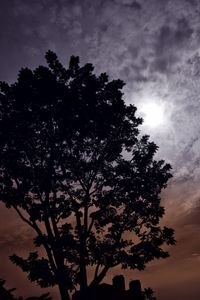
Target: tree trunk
[(64, 295), (83, 275)]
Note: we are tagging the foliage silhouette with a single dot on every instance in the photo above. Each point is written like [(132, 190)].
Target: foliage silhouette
[(75, 169), (6, 294)]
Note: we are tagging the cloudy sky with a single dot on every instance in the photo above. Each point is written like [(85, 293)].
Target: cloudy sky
[(154, 46)]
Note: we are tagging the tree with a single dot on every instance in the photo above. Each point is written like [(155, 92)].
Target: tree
[(75, 169)]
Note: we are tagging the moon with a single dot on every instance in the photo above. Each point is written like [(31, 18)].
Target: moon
[(153, 114)]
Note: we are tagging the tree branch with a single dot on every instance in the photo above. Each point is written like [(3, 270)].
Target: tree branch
[(90, 226), (39, 232), (23, 218), (96, 271), (100, 277)]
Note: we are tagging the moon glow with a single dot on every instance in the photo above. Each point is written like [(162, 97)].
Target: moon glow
[(153, 114)]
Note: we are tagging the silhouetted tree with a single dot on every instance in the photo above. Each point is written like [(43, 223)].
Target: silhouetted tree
[(73, 167)]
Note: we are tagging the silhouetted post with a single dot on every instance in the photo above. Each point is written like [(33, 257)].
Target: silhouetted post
[(119, 287), (135, 290), (119, 283)]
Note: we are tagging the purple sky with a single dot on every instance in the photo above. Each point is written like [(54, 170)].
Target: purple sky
[(154, 46)]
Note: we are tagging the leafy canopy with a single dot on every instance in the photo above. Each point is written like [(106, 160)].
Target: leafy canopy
[(74, 168)]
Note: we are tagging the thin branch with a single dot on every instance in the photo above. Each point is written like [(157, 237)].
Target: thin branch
[(53, 219), (22, 216), (39, 232), (100, 277), (90, 226), (96, 271), (78, 178)]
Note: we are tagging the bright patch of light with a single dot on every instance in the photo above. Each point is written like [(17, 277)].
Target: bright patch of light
[(153, 114)]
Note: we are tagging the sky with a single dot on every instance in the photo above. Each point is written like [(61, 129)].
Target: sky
[(154, 46)]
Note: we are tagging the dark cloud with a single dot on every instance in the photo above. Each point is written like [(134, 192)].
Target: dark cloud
[(171, 42), (192, 2), (130, 3)]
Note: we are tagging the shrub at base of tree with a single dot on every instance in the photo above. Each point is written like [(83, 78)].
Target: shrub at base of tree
[(6, 294)]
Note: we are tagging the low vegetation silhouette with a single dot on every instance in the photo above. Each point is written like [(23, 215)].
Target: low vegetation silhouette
[(76, 170), (117, 291), (7, 294)]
